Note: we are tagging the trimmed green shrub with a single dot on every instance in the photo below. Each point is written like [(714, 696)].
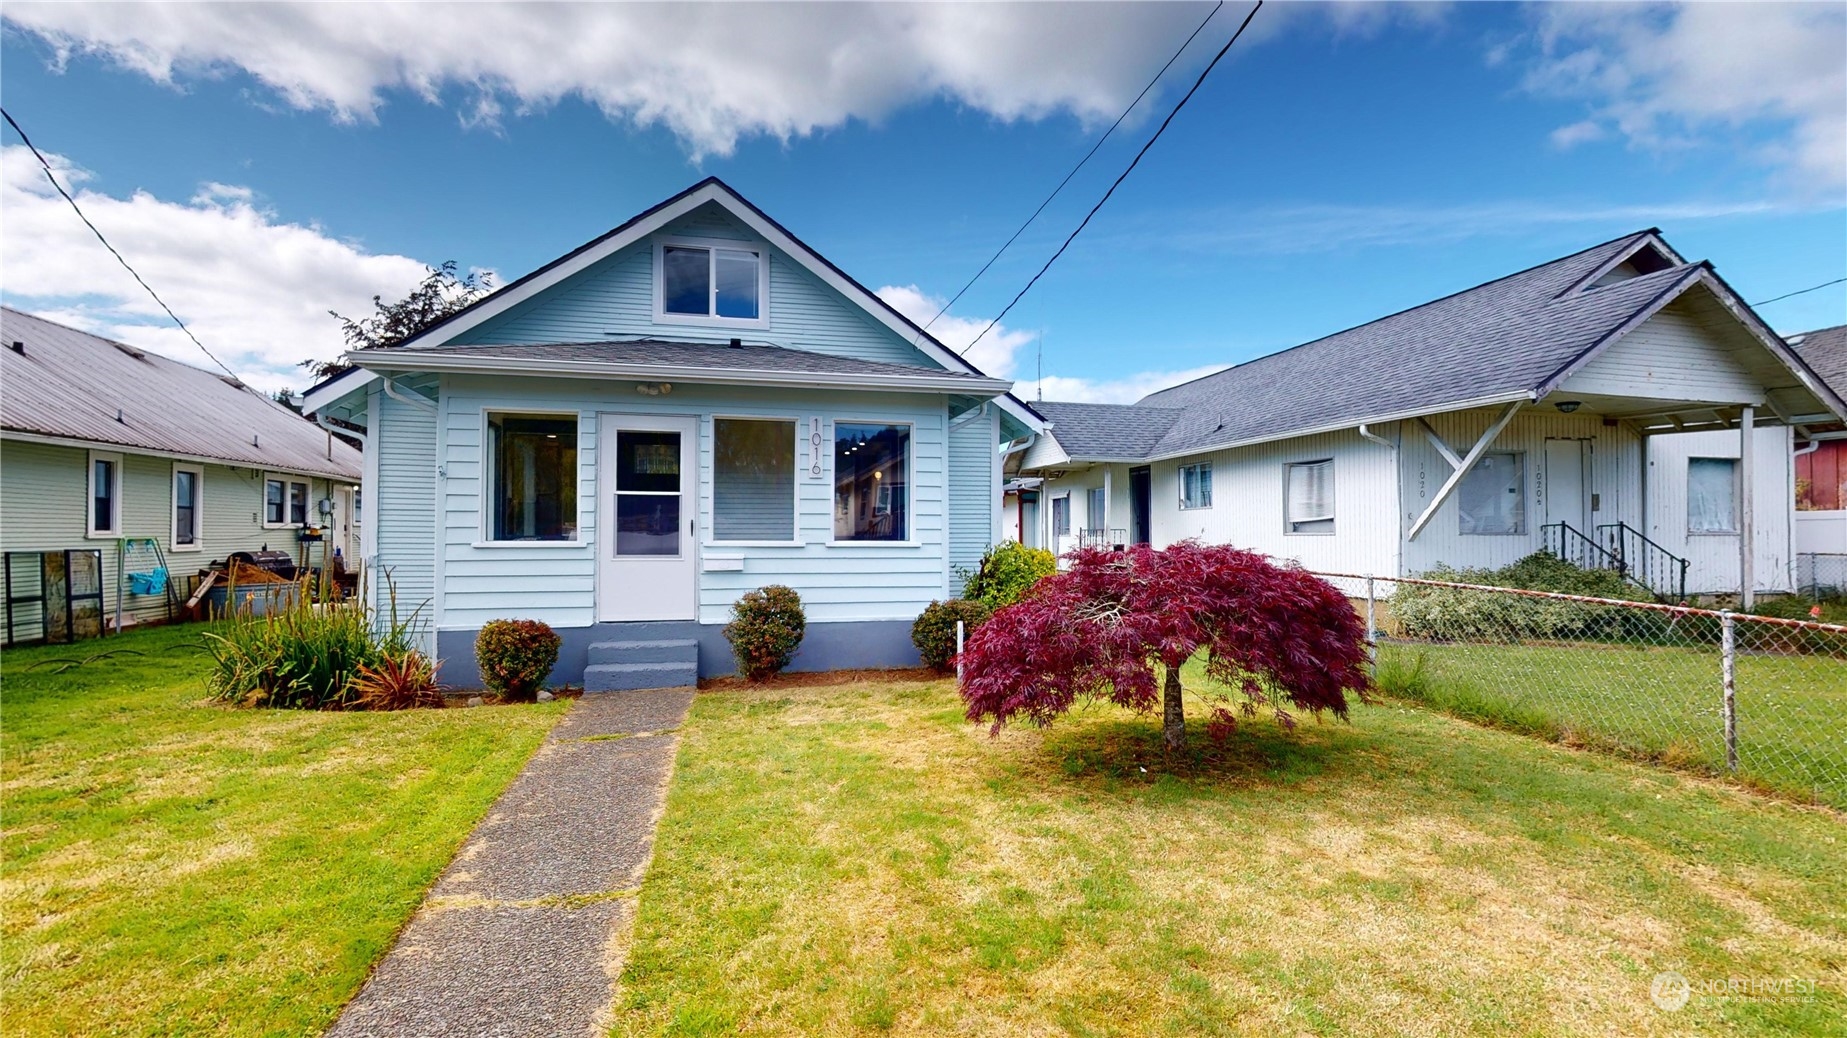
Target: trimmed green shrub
[(515, 656), (1454, 614), (1007, 571), (765, 630), (934, 633)]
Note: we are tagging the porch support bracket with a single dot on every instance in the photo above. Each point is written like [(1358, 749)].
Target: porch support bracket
[(1461, 466)]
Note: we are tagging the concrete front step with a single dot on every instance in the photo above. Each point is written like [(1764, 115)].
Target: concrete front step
[(640, 650), (629, 677)]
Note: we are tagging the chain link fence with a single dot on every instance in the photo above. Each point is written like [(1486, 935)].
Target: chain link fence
[(1822, 575), (1759, 698)]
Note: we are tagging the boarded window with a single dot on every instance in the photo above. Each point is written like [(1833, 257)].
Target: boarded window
[(1310, 497), (532, 491), (753, 480), (1492, 497), (1712, 495), (1196, 485)]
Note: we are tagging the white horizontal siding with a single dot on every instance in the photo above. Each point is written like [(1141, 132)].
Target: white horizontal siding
[(557, 584), (614, 299)]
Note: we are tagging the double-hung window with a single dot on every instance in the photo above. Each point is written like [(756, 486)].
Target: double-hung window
[(753, 479), (188, 493), (1196, 485), (1310, 496), (285, 501), (1491, 499), (1712, 495), (532, 477), (711, 282), (105, 512), (872, 465)]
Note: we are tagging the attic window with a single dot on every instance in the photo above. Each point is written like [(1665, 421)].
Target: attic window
[(700, 281)]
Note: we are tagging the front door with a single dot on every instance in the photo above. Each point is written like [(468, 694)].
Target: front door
[(1140, 491), (646, 553), (1568, 484)]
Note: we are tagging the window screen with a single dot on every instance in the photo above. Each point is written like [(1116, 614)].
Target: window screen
[(1712, 495), (1310, 496), (753, 480), (871, 482), (1196, 485), (532, 492), (1492, 497)]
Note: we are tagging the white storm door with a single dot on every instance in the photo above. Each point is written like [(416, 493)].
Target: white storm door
[(646, 565)]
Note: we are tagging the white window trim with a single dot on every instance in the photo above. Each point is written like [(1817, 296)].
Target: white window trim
[(1526, 499), (115, 497), (1289, 523), (198, 509), (910, 482), (795, 490), (1737, 501), (1180, 485), (661, 316), (285, 478), (484, 516)]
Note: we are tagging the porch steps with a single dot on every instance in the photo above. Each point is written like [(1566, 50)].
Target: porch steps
[(642, 663)]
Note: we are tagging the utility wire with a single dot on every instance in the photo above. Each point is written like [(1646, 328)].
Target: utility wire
[(112, 251), (1123, 176), (1800, 292), (1080, 165)]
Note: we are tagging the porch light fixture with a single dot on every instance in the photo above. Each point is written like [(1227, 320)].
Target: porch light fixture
[(654, 388), (1568, 406)]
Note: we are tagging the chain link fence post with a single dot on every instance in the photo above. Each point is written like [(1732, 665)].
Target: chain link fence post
[(1728, 670)]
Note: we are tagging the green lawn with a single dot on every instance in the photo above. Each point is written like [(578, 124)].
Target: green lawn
[(175, 867), (1656, 702), (857, 858)]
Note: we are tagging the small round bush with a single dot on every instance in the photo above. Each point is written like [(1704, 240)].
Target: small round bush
[(765, 630), (934, 633), (1008, 570), (515, 656)]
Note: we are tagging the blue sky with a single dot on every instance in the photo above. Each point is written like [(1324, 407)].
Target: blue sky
[(1340, 164)]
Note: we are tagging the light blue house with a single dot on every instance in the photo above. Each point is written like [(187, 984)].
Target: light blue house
[(690, 406)]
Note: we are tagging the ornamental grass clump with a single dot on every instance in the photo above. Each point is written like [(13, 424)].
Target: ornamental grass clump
[(1272, 636), (311, 655), (515, 656), (766, 628)]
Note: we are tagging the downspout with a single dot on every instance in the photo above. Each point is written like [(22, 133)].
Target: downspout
[(364, 439), (1397, 500), (402, 397)]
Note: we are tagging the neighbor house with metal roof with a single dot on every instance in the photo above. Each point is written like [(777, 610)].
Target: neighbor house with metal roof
[(141, 462), (690, 406), (1544, 409)]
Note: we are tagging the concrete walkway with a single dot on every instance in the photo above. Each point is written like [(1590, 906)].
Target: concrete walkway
[(526, 931)]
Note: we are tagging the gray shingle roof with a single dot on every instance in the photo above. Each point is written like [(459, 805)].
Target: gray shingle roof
[(72, 385), (1825, 351), (716, 356), (1108, 431)]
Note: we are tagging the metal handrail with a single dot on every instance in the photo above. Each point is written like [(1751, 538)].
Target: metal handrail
[(1588, 553), (1645, 564)]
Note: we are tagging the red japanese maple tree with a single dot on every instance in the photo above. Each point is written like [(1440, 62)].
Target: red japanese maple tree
[(1276, 636)]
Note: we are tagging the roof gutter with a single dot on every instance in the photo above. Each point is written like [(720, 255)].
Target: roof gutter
[(409, 360)]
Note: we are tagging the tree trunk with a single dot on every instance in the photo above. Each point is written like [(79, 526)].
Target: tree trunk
[(1173, 715)]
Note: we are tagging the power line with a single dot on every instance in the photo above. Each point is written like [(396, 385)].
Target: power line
[(1080, 165), (10, 121), (1123, 176), (1800, 292)]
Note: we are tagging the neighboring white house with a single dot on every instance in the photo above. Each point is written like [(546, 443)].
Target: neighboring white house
[(105, 448), (1821, 472), (691, 406), (1545, 409)]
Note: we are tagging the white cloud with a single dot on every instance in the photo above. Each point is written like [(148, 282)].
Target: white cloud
[(1108, 391), (995, 354), (255, 290), (1771, 75), (710, 73)]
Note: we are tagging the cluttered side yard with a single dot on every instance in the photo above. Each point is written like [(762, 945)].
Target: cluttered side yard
[(857, 857), (175, 866)]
